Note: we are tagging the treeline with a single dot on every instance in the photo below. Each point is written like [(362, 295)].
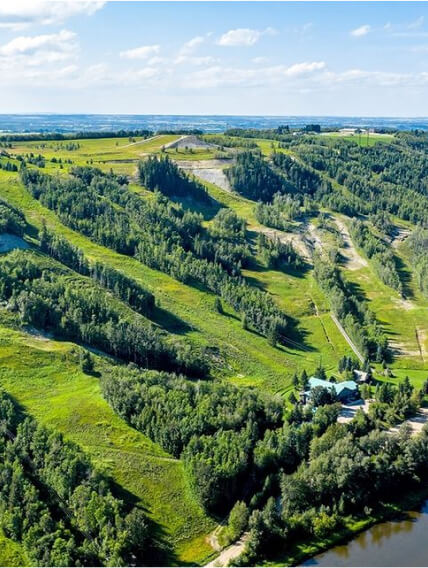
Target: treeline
[(382, 178), (300, 177), (252, 177), (348, 475), (229, 142), (350, 471), (354, 314), (230, 439), (183, 132), (283, 209), (159, 233), (11, 219), (57, 505), (48, 297), (8, 167), (126, 289), (417, 244), (74, 135), (378, 252), (393, 404), (163, 174), (276, 254)]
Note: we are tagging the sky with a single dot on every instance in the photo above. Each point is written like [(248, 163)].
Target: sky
[(246, 58)]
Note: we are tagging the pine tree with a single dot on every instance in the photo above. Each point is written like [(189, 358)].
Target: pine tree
[(273, 334), (218, 306), (244, 321), (86, 362)]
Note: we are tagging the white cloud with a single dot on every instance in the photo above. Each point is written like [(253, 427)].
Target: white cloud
[(143, 52), (20, 14), (157, 60), (260, 60), (416, 24), (191, 45), (361, 31), (37, 50), (243, 37), (305, 68), (192, 60), (217, 75), (30, 44)]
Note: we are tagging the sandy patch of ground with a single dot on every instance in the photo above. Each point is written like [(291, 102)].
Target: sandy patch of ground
[(348, 411), (313, 238), (354, 261), (229, 553), (215, 176), (402, 349), (208, 170), (39, 334), (416, 423), (404, 304), (189, 142), (421, 337), (298, 240), (10, 242), (400, 236)]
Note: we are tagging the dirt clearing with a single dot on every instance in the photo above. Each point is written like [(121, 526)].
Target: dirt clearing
[(354, 261)]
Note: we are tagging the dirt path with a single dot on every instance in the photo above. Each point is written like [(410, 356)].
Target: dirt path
[(348, 339), (354, 261), (229, 553), (140, 141)]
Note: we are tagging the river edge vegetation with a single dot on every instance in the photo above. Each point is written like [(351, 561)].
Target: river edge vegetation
[(134, 246)]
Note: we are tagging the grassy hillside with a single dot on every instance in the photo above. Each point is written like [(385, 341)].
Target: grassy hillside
[(244, 357), (44, 376)]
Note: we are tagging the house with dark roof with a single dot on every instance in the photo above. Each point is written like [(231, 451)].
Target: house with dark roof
[(346, 391)]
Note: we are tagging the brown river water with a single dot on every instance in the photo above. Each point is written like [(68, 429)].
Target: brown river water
[(402, 542)]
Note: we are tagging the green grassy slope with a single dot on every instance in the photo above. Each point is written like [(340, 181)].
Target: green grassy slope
[(44, 376), (244, 357), (404, 320)]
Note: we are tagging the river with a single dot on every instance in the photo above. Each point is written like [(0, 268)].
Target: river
[(392, 543)]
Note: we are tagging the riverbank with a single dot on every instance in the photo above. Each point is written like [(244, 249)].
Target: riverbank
[(301, 551)]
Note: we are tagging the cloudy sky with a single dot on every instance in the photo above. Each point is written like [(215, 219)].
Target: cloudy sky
[(279, 58)]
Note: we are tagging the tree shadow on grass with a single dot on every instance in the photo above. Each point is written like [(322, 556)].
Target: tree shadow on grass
[(208, 209), (169, 321), (158, 552), (405, 278)]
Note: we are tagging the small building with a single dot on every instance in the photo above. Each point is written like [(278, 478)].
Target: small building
[(350, 131), (346, 391)]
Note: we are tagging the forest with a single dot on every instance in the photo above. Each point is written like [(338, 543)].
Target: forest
[(57, 505)]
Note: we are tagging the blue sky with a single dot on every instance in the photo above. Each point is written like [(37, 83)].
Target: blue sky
[(277, 58)]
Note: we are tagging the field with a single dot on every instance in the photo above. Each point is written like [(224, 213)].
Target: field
[(362, 139)]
